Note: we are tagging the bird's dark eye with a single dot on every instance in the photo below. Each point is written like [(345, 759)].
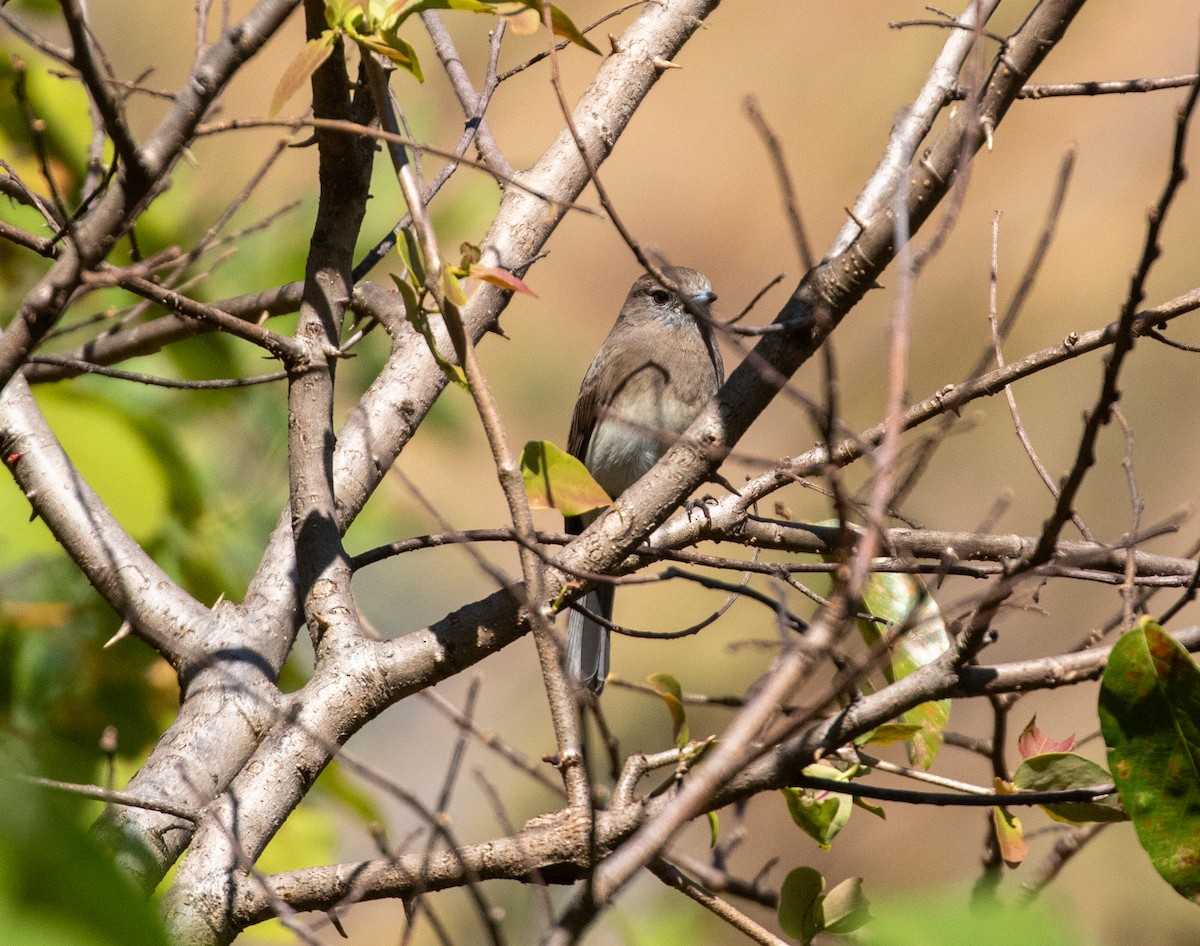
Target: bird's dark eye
[(660, 296)]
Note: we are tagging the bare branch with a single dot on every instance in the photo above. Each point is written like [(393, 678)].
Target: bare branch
[(126, 577), (120, 204)]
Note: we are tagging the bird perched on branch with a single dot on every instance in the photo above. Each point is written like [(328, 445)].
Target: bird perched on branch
[(656, 370)]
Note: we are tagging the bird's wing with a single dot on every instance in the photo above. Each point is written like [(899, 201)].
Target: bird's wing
[(583, 421)]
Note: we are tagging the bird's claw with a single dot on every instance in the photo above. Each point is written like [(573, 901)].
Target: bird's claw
[(702, 504)]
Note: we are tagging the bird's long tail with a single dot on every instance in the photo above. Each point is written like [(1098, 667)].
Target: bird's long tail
[(588, 643)]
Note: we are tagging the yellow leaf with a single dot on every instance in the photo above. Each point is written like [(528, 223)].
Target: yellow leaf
[(522, 20), (1010, 836)]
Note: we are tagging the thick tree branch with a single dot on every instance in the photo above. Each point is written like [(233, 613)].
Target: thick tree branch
[(551, 846), (160, 612)]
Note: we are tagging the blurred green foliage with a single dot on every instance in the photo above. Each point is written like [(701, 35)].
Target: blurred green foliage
[(57, 886), (59, 689)]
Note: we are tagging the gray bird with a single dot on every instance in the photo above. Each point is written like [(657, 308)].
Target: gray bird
[(658, 367)]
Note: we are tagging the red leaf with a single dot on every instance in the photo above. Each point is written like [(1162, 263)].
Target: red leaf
[(1033, 741), (500, 277)]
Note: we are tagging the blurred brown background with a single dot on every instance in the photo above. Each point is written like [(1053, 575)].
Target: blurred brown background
[(692, 179)]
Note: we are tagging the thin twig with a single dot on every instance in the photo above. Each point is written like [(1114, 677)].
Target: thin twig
[(112, 797), (354, 128), (674, 877), (1109, 87), (510, 754), (1125, 336), (783, 177), (216, 384), (1011, 398), (1070, 842), (559, 47)]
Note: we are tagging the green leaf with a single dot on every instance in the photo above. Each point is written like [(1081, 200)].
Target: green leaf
[(453, 289), (845, 908), (309, 836), (420, 321), (799, 899), (62, 106), (412, 308), (873, 807), (333, 783), (301, 69), (338, 11), (1010, 836), (902, 601), (388, 44), (714, 826), (668, 688), (57, 885), (562, 26), (1063, 771), (1150, 718), (409, 251), (556, 480), (402, 10), (135, 447), (378, 11), (888, 733), (819, 813)]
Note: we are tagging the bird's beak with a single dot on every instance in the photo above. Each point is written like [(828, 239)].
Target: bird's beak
[(705, 298)]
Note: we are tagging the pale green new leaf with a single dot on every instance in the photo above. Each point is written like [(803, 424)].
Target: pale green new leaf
[(562, 26), (420, 321), (888, 733), (1063, 771), (338, 11), (402, 10), (409, 251), (845, 908), (799, 899), (1010, 836), (819, 813), (311, 57), (556, 480), (902, 601), (390, 45), (453, 289), (671, 693)]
